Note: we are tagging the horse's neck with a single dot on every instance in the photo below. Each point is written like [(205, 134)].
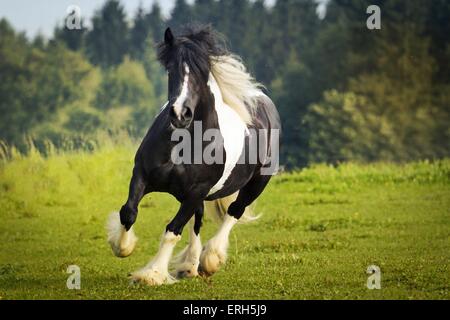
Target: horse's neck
[(223, 110), (215, 90)]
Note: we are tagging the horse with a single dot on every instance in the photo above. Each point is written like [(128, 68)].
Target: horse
[(209, 88)]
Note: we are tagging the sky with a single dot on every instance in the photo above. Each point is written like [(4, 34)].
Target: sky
[(41, 16)]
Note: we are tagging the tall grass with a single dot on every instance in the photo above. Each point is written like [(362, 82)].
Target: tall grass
[(70, 145), (33, 180)]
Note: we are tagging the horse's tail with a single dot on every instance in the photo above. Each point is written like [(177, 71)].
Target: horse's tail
[(218, 208)]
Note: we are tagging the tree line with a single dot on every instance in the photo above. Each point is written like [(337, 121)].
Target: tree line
[(344, 92)]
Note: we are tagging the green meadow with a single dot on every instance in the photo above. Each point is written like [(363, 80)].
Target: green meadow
[(320, 229)]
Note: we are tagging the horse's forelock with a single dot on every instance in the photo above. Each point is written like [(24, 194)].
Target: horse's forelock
[(196, 45)]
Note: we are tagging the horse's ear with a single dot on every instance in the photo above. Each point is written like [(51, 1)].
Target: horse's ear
[(168, 37)]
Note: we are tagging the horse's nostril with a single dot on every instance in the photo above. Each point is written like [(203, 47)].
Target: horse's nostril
[(187, 113), (180, 119)]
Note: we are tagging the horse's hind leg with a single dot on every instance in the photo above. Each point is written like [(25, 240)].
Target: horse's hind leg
[(187, 261), (215, 251), (121, 236), (248, 194)]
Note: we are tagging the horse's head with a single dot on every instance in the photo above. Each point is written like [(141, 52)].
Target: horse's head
[(187, 61), (183, 97)]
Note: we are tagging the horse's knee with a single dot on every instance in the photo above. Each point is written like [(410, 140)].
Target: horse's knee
[(175, 227), (127, 216), (236, 209), (177, 224)]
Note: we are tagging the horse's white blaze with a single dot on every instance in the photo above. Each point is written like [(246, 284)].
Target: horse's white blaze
[(233, 130), (156, 272), (215, 252), (178, 104)]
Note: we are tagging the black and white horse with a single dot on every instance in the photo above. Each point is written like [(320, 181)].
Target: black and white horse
[(209, 89)]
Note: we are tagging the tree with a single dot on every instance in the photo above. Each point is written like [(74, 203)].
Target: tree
[(292, 91), (139, 34), (401, 83), (155, 73), (72, 38), (125, 85), (107, 42), (181, 15), (233, 22), (37, 83), (258, 59), (345, 126), (155, 22), (127, 97), (344, 92), (13, 54), (205, 11)]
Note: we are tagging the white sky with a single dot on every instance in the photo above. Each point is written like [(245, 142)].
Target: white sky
[(41, 16), (34, 16)]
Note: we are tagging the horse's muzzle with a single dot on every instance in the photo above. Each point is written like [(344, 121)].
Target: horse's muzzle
[(182, 119)]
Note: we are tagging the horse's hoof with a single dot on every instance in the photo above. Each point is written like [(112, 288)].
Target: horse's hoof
[(210, 262), (201, 272), (186, 270), (188, 273), (151, 277)]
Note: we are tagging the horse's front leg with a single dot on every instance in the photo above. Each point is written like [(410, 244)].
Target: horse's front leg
[(187, 261), (121, 236), (156, 272)]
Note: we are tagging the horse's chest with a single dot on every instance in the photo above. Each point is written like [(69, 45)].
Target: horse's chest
[(233, 131)]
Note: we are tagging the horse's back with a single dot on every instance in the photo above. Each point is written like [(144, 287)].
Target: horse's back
[(266, 114)]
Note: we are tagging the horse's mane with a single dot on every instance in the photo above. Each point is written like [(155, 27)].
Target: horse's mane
[(205, 52)]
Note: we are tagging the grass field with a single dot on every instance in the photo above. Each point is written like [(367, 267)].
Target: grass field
[(320, 230)]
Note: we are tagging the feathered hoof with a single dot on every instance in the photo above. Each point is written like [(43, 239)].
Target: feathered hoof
[(186, 270), (151, 277), (122, 242), (210, 262)]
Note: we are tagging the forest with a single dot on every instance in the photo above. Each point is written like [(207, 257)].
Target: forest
[(344, 92)]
